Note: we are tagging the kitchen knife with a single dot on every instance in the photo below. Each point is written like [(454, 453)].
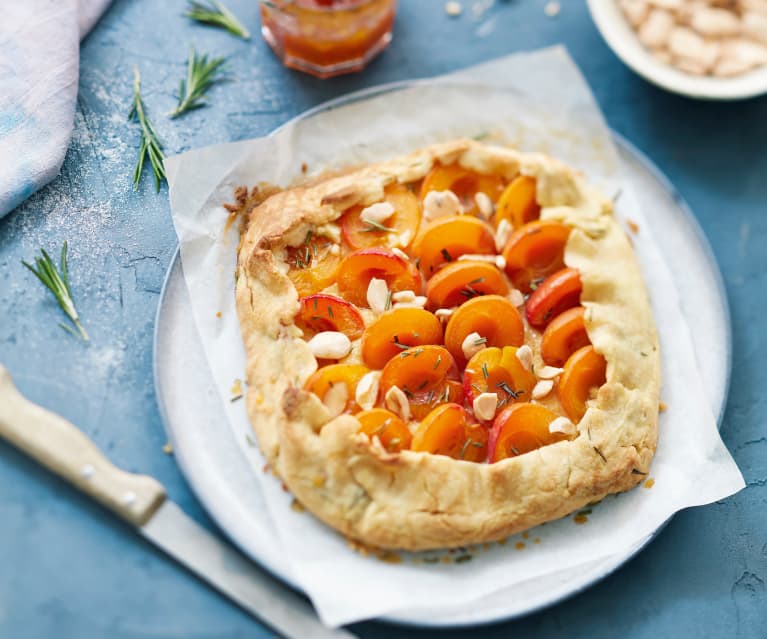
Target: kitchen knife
[(141, 501)]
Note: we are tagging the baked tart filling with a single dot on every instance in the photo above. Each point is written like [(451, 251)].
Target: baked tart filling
[(466, 320)]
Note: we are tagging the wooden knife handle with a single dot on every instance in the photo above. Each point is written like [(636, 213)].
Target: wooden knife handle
[(65, 450)]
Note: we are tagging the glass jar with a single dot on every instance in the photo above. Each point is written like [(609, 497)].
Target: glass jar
[(327, 37)]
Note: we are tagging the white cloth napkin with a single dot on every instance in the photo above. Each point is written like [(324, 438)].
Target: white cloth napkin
[(39, 60)]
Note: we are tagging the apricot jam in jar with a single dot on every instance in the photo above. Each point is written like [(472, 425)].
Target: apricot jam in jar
[(327, 37)]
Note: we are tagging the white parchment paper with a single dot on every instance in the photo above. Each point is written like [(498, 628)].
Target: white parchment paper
[(537, 101)]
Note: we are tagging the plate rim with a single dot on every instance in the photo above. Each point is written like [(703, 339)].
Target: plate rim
[(612, 566)]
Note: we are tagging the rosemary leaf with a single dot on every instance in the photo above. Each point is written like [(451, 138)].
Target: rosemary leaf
[(215, 14), (201, 75), (373, 227), (57, 282), (150, 143)]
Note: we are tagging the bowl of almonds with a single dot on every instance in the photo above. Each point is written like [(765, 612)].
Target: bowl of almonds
[(709, 49)]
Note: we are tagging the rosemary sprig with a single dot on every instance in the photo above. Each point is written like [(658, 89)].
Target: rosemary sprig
[(57, 282), (201, 74), (150, 143), (216, 14)]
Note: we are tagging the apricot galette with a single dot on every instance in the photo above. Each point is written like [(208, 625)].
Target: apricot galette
[(448, 347)]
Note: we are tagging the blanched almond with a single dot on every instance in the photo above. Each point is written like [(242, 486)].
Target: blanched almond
[(635, 11), (525, 356), (330, 230), (562, 425), (477, 257), (502, 234), (366, 394), (755, 25), (485, 405), (377, 213), (330, 345), (377, 295), (484, 204), (335, 399), (472, 344), (542, 388), (396, 402), (439, 204), (693, 54), (516, 297), (444, 314), (403, 296), (419, 301), (713, 22), (548, 372), (655, 30)]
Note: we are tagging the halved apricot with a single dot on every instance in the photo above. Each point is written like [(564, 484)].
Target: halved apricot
[(312, 266), (517, 204), (422, 374), (498, 370), (390, 429), (328, 376), (459, 282), (323, 312), (421, 405), (520, 428), (397, 330), (399, 230), (446, 239), (584, 371), (564, 335), (475, 446), (446, 430), (534, 251), (559, 292), (358, 268), (465, 183), (495, 318)]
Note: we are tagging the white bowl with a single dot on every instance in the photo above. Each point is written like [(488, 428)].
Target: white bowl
[(621, 38)]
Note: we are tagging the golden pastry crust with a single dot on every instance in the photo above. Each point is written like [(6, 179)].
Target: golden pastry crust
[(419, 501)]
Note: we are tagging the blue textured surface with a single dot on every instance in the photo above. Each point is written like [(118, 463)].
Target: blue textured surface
[(69, 570)]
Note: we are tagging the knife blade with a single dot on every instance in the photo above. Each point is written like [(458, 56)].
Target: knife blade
[(141, 500)]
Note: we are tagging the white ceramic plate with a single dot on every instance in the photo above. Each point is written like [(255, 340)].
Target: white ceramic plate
[(621, 38), (226, 485)]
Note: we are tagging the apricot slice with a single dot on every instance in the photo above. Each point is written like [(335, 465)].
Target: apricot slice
[(464, 183), (584, 371), (390, 429), (446, 239), (358, 268), (446, 430), (498, 370), (313, 266), (559, 292), (564, 335), (495, 318), (534, 251), (459, 282), (398, 230), (517, 204), (520, 428), (395, 331), (328, 376), (422, 374), (323, 312)]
